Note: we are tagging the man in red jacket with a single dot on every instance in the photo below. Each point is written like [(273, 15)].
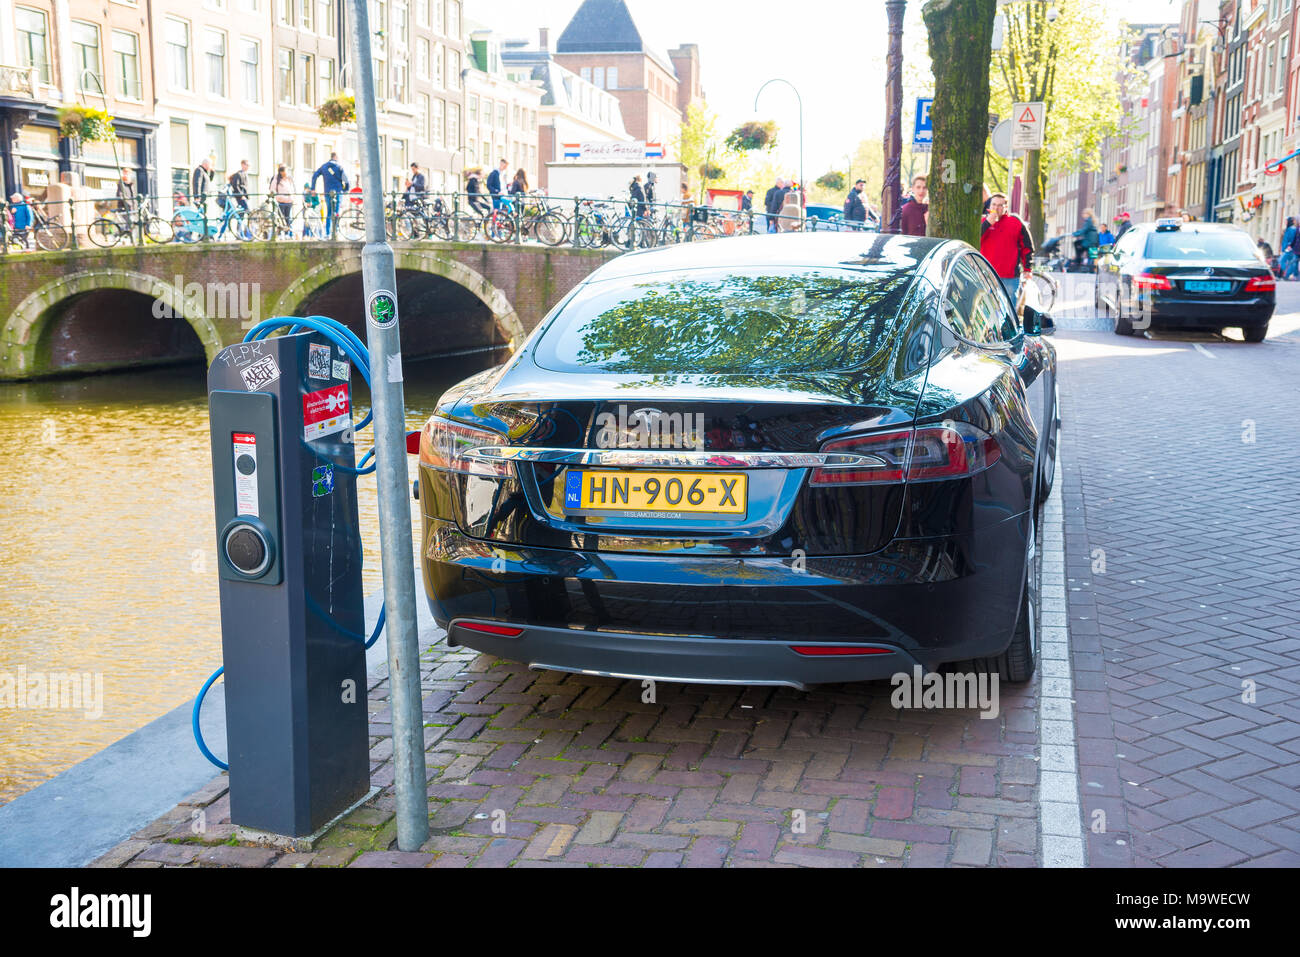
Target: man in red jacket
[(1005, 243)]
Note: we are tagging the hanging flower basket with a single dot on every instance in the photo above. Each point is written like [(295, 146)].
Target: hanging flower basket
[(711, 171), (752, 136), (87, 124), (337, 110), (833, 181)]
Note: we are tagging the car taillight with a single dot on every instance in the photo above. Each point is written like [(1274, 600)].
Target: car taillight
[(1148, 280), (487, 628), (927, 454), (1261, 284), (446, 445)]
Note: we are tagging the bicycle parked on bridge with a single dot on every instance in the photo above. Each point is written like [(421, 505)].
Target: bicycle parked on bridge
[(47, 234), (119, 226)]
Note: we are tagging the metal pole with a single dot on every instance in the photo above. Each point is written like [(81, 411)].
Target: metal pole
[(891, 192), (379, 277), (803, 188)]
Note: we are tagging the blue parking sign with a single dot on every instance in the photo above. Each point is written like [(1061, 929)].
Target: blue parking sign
[(923, 129)]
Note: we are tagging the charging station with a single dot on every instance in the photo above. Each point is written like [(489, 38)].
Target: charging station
[(289, 551)]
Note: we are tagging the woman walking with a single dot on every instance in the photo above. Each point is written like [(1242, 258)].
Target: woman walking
[(282, 189)]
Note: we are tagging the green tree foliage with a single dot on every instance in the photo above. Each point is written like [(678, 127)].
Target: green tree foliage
[(1070, 64), (832, 182)]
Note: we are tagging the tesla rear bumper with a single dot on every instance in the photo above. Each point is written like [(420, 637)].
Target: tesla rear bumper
[(686, 618)]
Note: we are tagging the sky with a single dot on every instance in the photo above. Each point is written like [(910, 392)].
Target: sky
[(833, 51)]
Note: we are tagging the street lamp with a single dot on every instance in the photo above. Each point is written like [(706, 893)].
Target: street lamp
[(803, 187)]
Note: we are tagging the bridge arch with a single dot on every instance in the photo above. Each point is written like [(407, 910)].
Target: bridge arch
[(27, 323), (348, 262)]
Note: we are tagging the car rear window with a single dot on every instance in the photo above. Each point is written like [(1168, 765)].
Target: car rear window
[(732, 322), (1200, 245)]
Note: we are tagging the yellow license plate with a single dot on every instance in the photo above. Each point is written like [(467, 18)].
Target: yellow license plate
[(646, 494)]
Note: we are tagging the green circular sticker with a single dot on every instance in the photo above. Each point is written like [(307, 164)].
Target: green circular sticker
[(382, 309)]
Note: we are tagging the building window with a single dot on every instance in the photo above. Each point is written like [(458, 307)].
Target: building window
[(305, 11), (401, 25), (501, 116), (489, 110), (422, 117), (598, 77), (33, 42), (453, 125), (284, 66), (328, 18), (453, 61), (401, 86), (487, 152), (126, 61), (214, 54), (306, 79), (179, 137), (471, 148), (422, 12), (585, 73), (422, 58), (249, 58), (325, 74), (85, 57), (611, 78), (439, 16), (473, 107), (249, 6), (453, 19), (309, 157), (439, 80), (286, 153), (381, 80), (284, 12), (1282, 50), (438, 133), (216, 136), (249, 150), (177, 33)]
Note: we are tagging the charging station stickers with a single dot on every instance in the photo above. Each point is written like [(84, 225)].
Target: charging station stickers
[(342, 369), (262, 372), (244, 449), (318, 360), (326, 412), (322, 481)]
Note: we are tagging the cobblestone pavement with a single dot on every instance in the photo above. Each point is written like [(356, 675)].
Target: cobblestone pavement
[(1197, 594), (1182, 550)]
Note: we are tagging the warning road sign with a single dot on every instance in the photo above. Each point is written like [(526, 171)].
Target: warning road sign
[(1027, 125)]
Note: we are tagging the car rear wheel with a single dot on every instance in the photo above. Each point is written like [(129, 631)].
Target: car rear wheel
[(1123, 326), (1018, 662), (1255, 333)]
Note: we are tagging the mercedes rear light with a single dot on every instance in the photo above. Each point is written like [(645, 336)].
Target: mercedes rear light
[(1147, 280), (449, 447), (927, 454), (1261, 284)]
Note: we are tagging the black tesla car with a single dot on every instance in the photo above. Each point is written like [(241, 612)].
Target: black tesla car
[(1171, 274), (788, 459)]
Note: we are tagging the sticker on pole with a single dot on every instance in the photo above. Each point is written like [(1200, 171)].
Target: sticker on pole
[(326, 412), (244, 450), (322, 481), (381, 310), (318, 360)]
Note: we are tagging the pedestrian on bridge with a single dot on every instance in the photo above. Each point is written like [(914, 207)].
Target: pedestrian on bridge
[(200, 179), (336, 183)]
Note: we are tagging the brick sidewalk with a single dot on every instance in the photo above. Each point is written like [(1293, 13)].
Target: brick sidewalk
[(575, 770), (1183, 555)]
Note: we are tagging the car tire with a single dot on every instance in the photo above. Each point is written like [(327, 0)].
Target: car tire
[(1122, 325), (1255, 333)]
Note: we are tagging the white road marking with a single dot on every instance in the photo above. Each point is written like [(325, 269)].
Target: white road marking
[(1059, 813), (1203, 351)]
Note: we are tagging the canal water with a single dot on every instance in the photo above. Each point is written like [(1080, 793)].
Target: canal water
[(108, 552)]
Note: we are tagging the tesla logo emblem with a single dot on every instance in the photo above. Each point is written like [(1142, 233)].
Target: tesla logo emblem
[(650, 417), (1209, 270)]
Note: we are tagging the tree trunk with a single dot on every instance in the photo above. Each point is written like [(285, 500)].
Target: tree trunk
[(1033, 183), (961, 42)]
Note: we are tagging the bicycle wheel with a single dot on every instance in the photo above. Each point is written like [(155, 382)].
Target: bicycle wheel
[(499, 227), (51, 237), (550, 228), (158, 230), (1045, 287), (703, 231), (465, 227), (104, 232), (404, 227), (243, 224), (352, 226), (440, 226)]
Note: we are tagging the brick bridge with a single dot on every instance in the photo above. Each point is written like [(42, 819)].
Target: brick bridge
[(91, 309)]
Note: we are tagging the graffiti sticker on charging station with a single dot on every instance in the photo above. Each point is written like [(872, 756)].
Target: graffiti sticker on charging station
[(326, 412)]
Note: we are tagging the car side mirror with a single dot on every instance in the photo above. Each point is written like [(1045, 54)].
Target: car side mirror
[(1038, 323)]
